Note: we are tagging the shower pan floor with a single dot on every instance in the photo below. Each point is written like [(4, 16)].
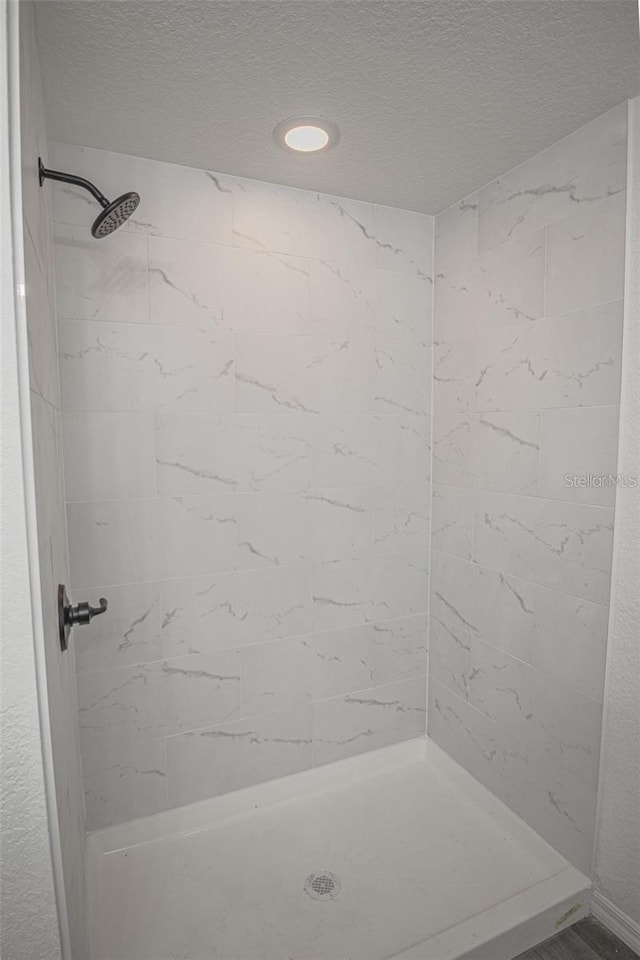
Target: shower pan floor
[(425, 863)]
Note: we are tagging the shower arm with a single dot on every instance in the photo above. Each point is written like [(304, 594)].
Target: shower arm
[(45, 174)]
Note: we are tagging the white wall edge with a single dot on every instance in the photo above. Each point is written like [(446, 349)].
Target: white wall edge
[(616, 921), (24, 387)]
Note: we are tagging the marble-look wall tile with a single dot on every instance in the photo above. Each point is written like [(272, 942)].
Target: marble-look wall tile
[(123, 541), (585, 257), (109, 282), (36, 203), (286, 673), (493, 754), (489, 451), (196, 535), (232, 609), (564, 545), (587, 166), (223, 758), (578, 454), (358, 450), (452, 520), (399, 649), (404, 241), (46, 426), (303, 375), (41, 324), (204, 453), (401, 517), (403, 448), (113, 542), (125, 783), (553, 719), (157, 699), (129, 634), (455, 375), (570, 640), (315, 524), (342, 593), (109, 456), (144, 368), (505, 451), (176, 201), (342, 300), (456, 234), (449, 656), (367, 589), (368, 720), (403, 309), (362, 303), (497, 289), (347, 377), (400, 585), (561, 809), (248, 450), (226, 288), (567, 361), (452, 449), (484, 603), (528, 315), (348, 451), (402, 379), (298, 222)]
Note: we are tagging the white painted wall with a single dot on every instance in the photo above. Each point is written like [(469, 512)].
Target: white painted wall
[(618, 850), (29, 919)]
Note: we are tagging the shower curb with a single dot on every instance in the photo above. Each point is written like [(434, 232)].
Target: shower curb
[(514, 926)]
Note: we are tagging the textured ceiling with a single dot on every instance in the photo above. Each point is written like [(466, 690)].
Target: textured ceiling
[(433, 98)]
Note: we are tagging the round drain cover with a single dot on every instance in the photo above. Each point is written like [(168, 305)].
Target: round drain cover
[(322, 885)]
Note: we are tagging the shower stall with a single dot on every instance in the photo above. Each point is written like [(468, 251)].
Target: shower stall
[(330, 468)]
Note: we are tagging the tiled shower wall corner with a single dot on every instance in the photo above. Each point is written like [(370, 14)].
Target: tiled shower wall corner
[(527, 341), (245, 377), (46, 427)]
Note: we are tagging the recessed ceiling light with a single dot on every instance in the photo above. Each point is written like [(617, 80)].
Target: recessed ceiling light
[(306, 138), (306, 134)]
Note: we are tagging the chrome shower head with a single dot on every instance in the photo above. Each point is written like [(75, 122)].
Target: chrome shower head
[(113, 213)]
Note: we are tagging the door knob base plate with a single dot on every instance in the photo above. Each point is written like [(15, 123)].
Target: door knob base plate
[(64, 627)]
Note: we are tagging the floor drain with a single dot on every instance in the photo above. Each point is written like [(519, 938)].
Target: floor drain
[(322, 886)]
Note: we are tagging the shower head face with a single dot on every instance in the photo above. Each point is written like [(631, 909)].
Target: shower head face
[(114, 215)]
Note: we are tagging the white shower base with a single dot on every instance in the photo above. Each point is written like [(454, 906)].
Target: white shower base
[(431, 867)]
